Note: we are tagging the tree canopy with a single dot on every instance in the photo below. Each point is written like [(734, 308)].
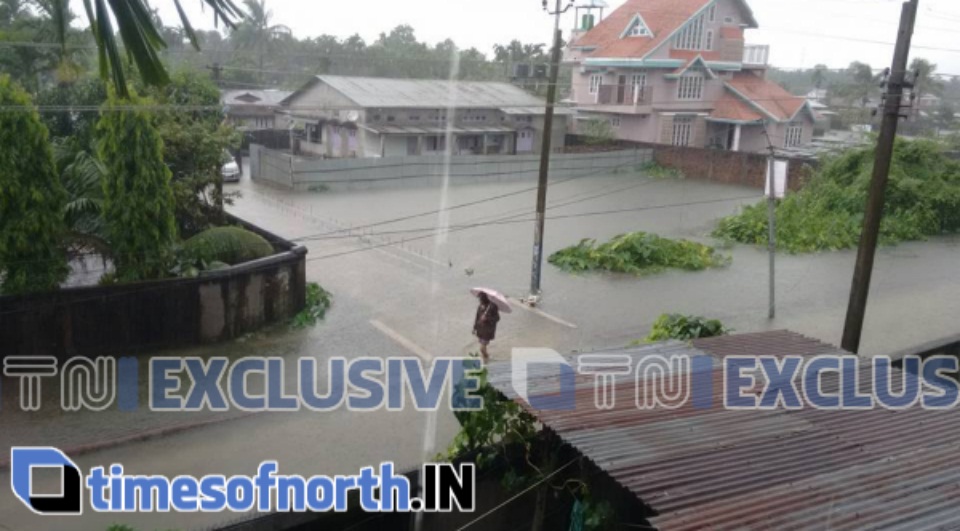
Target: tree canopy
[(32, 200)]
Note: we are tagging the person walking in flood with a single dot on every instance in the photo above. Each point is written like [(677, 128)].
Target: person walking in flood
[(492, 302), (485, 325)]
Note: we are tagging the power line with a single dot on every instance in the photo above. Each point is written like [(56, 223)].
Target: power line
[(510, 222), (439, 231)]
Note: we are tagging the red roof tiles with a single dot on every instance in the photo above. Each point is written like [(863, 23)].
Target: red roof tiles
[(773, 98), (663, 17), (733, 108)]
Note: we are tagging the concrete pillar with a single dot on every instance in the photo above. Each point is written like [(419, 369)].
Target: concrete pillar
[(419, 144), (383, 145), (483, 145), (736, 138)]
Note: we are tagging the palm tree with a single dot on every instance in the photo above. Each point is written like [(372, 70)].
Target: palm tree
[(926, 81), (258, 33), (139, 33), (819, 76)]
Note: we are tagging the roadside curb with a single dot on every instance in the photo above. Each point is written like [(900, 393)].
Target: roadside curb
[(142, 436)]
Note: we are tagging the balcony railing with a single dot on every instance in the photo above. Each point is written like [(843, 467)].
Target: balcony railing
[(756, 55), (624, 95)]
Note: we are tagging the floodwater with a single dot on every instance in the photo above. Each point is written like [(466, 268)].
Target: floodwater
[(398, 294)]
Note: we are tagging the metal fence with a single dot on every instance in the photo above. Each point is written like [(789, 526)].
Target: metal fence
[(429, 170)]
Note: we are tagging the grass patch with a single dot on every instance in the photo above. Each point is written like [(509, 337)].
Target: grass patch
[(661, 173), (638, 253), (319, 301), (923, 199)]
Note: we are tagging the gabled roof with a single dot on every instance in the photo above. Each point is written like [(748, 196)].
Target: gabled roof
[(767, 97), (663, 18), (698, 60), (378, 92), (638, 20)]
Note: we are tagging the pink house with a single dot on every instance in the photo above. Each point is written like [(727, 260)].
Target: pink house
[(678, 72)]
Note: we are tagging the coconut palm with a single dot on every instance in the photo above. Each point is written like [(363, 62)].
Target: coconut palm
[(138, 32), (257, 32), (926, 82)]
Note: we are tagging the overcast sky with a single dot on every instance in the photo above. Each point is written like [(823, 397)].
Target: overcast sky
[(799, 31)]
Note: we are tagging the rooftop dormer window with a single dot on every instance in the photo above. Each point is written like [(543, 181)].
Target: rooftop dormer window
[(637, 28)]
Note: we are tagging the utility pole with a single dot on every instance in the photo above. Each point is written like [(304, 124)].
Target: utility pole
[(853, 329), (545, 153), (772, 221), (772, 239)]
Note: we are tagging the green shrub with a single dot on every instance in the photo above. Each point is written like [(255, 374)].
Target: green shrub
[(654, 170), (923, 199), (319, 301), (638, 253), (684, 328), (230, 245)]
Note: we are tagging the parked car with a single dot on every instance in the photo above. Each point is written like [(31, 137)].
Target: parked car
[(230, 170)]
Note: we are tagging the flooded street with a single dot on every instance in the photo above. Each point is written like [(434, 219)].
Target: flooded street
[(401, 290)]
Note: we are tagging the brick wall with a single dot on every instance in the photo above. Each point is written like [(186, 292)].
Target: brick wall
[(731, 50), (728, 167)]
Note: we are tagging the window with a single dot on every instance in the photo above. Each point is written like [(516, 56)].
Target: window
[(708, 45), (639, 81), (794, 135), (615, 121), (728, 20), (712, 13), (596, 81), (637, 28), (682, 130), (391, 118), (691, 36), (414, 117), (690, 87), (376, 117)]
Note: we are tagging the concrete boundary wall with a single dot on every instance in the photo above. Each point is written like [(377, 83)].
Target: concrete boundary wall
[(128, 319), (429, 170)]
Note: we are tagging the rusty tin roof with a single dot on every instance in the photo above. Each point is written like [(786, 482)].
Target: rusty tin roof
[(725, 469)]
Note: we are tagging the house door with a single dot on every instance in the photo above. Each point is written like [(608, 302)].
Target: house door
[(525, 141), (621, 89)]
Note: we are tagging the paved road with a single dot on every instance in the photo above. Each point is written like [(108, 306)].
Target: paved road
[(398, 295)]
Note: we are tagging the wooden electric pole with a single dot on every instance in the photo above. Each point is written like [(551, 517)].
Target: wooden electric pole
[(545, 152), (853, 329)]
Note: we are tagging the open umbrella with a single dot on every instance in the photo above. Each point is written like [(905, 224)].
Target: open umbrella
[(498, 298)]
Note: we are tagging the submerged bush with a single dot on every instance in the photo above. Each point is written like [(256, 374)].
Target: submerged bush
[(923, 199), (319, 301), (638, 253), (685, 328), (230, 245)]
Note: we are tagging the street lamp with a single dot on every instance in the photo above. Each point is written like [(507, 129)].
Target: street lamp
[(545, 152)]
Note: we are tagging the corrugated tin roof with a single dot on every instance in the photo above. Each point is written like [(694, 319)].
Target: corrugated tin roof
[(538, 110), (725, 469), (375, 92), (434, 130), (255, 97)]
